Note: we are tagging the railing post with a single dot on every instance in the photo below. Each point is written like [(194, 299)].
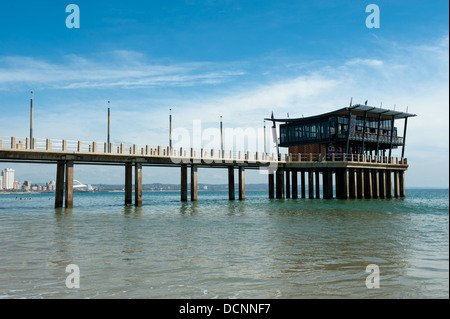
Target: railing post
[(79, 146), (94, 147), (64, 145), (48, 145), (13, 143)]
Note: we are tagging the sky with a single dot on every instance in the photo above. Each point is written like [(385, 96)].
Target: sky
[(204, 59)]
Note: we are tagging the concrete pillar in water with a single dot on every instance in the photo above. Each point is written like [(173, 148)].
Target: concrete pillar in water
[(128, 184), (342, 183), (368, 189), (280, 183), (382, 183), (401, 179), (317, 184), (310, 184), (327, 184), (303, 186), (359, 183), (193, 183), (59, 187), (375, 181), (271, 185), (294, 184), (288, 184), (396, 184), (231, 194), (69, 185), (184, 183), (241, 183), (138, 185), (388, 177), (352, 186)]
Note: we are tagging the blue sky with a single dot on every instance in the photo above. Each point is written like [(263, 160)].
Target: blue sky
[(203, 59)]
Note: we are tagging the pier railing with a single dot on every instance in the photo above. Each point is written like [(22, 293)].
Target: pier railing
[(54, 145)]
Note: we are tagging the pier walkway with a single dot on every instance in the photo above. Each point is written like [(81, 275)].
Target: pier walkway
[(339, 176)]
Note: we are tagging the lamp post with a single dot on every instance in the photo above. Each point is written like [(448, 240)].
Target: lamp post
[(31, 121), (109, 128), (170, 129), (265, 150), (221, 135)]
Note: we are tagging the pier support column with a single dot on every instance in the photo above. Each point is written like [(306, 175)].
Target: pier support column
[(303, 186), (310, 184), (193, 183), (288, 184), (317, 184), (396, 185), (382, 183), (352, 186), (294, 184), (138, 184), (388, 177), (128, 184), (368, 189), (69, 185), (231, 194), (271, 185), (375, 181), (280, 183), (342, 183), (359, 183), (184, 183), (401, 180), (241, 183), (327, 182), (59, 187)]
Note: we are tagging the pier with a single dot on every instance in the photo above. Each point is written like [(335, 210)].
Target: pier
[(342, 176)]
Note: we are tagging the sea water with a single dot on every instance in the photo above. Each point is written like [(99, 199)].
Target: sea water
[(216, 248)]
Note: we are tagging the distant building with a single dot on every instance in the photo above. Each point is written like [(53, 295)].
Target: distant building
[(1, 181), (26, 186), (51, 185), (8, 178)]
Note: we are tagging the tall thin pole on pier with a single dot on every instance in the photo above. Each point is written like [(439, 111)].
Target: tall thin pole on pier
[(31, 122), (265, 150), (221, 136), (170, 129), (109, 128)]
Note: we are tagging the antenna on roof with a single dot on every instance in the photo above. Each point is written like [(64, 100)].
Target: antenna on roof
[(365, 103), (288, 114), (381, 105), (351, 100), (406, 109)]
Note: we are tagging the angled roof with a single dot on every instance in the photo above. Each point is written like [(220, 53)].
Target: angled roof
[(356, 109)]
